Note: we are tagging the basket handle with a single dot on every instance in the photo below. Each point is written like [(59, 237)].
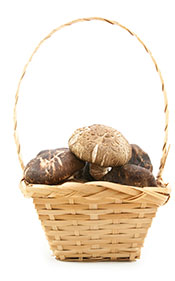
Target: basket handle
[(164, 148)]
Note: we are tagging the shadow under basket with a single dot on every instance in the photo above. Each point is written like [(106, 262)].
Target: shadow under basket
[(96, 220)]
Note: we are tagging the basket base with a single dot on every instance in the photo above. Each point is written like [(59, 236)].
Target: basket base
[(99, 259)]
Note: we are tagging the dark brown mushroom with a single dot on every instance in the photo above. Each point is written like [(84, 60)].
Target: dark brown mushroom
[(52, 166), (132, 175), (140, 158)]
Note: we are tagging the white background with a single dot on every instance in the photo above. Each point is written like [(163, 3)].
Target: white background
[(87, 73)]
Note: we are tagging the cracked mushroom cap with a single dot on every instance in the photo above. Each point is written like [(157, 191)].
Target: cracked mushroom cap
[(100, 145), (52, 166)]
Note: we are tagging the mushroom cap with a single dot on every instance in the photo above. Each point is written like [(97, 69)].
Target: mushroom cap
[(132, 175), (101, 145), (140, 158), (52, 166)]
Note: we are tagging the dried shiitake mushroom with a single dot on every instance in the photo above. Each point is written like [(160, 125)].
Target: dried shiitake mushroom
[(102, 146), (132, 175), (52, 166), (140, 158)]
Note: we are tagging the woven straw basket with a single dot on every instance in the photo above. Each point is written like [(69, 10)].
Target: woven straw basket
[(96, 220)]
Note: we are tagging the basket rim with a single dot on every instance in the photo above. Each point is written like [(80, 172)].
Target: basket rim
[(97, 191)]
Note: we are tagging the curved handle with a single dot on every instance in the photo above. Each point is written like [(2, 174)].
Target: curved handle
[(164, 148)]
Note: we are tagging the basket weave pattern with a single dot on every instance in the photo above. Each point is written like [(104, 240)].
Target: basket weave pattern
[(94, 230), (96, 220)]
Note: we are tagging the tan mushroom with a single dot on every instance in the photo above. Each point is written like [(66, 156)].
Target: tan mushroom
[(52, 166), (100, 145)]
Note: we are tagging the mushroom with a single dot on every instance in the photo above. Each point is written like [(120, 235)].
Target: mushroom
[(132, 175), (140, 158), (102, 146), (52, 166)]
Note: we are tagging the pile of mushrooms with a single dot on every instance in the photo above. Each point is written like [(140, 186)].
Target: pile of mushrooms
[(95, 153)]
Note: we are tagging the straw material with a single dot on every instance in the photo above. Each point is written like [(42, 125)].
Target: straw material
[(96, 220)]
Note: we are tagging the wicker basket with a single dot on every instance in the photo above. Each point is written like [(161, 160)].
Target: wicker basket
[(96, 220)]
